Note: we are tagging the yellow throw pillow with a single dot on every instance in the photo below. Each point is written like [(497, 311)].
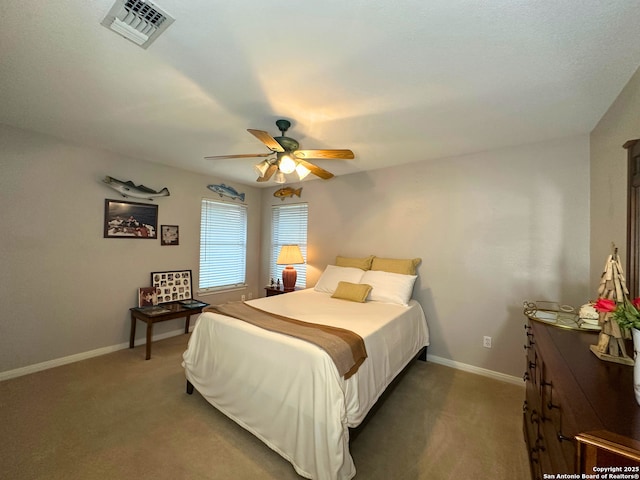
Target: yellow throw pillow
[(354, 292), (362, 263), (396, 265)]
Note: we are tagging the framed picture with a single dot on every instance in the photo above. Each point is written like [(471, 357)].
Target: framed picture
[(130, 219), (148, 296), (169, 235), (174, 285)]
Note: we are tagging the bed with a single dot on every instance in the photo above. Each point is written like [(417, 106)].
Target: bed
[(288, 392)]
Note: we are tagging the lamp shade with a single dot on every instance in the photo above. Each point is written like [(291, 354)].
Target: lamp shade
[(280, 178), (302, 171), (286, 164), (262, 167), (290, 255)]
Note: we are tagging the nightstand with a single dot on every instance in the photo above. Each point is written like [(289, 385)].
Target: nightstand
[(271, 291)]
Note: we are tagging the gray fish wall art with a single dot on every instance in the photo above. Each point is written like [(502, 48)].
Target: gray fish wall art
[(130, 189)]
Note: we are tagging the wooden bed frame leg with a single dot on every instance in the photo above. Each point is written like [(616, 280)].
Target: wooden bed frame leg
[(189, 387)]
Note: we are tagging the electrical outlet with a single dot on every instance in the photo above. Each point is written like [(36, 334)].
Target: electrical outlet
[(486, 342), (242, 299), (250, 295)]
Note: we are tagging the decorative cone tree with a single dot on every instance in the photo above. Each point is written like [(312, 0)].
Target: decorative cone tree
[(610, 345)]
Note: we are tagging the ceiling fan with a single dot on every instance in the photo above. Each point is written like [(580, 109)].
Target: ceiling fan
[(288, 158)]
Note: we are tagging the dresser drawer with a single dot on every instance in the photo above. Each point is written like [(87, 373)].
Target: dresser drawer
[(560, 455)]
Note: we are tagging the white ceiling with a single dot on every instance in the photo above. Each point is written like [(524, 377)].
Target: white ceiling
[(395, 81)]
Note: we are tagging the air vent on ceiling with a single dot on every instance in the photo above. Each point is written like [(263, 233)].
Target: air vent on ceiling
[(136, 20)]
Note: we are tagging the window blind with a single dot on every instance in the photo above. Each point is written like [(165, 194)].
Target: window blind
[(289, 226), (223, 245)]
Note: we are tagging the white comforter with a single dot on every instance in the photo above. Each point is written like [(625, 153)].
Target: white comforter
[(287, 392)]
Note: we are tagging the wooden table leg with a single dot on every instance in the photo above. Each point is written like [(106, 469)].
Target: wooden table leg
[(149, 335), (133, 331), (186, 324)]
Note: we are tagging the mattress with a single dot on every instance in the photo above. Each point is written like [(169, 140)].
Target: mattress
[(288, 392)]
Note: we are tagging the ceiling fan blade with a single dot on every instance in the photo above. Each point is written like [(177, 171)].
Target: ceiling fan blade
[(267, 139), (316, 170), (244, 155), (273, 168), (339, 154)]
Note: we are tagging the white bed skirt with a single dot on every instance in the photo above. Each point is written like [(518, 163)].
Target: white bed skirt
[(287, 392)]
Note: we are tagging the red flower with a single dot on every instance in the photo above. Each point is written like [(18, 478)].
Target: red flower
[(606, 305), (636, 302)]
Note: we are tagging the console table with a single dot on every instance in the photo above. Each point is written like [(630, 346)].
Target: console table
[(161, 313)]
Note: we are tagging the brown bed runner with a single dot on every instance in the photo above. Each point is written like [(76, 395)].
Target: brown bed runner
[(345, 347)]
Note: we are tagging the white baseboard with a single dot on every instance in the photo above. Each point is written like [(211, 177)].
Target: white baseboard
[(18, 372), (477, 370)]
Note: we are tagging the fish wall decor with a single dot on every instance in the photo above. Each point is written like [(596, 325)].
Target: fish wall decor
[(130, 189), (226, 191), (285, 192)]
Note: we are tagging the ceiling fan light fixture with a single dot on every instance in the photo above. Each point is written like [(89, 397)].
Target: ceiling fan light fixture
[(286, 164), (285, 155), (302, 171), (262, 167)]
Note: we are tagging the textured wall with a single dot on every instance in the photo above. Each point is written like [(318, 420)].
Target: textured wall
[(492, 229), (64, 289), (609, 176)]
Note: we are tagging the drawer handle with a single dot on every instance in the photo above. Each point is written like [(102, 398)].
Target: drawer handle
[(533, 418), (561, 437), (526, 347), (532, 365), (551, 406), (525, 406), (527, 327), (525, 377), (545, 383)]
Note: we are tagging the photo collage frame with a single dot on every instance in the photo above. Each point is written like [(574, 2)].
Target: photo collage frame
[(172, 285)]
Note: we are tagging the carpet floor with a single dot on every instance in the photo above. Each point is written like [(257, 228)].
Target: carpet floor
[(118, 416)]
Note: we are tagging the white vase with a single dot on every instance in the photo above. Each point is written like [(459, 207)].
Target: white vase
[(636, 366)]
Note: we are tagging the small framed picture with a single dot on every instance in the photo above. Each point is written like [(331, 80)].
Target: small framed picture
[(173, 286), (169, 235), (148, 296), (130, 219)]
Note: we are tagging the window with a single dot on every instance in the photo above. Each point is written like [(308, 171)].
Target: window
[(223, 246), (289, 226)]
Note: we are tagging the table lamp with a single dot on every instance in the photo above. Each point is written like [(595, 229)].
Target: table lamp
[(289, 255)]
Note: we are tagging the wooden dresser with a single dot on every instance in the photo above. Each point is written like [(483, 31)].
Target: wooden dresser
[(580, 413)]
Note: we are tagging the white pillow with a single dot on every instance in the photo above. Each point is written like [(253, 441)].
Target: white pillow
[(389, 287), (328, 281)]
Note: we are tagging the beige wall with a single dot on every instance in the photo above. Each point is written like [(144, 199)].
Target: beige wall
[(492, 229), (609, 176), (66, 290)]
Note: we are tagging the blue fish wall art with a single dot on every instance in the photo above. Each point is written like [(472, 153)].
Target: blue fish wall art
[(226, 191)]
